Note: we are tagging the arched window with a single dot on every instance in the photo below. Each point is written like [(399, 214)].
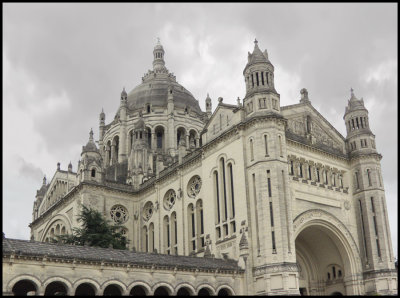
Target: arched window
[(251, 150), (191, 228), (280, 146), (266, 144), (301, 170), (148, 108), (93, 173), (145, 236), (291, 168), (223, 188), (231, 192), (216, 196), (174, 233), (318, 177), (166, 233), (369, 177), (151, 237), (357, 182), (200, 223)]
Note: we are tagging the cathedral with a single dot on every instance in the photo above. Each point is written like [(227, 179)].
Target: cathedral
[(253, 198)]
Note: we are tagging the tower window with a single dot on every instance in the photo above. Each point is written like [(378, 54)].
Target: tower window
[(358, 127), (93, 173), (269, 183), (369, 177), (361, 122), (291, 168), (148, 108), (252, 80), (301, 170), (266, 144), (266, 77), (262, 78), (251, 150), (258, 83), (357, 182)]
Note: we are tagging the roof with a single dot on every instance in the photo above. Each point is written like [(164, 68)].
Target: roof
[(155, 92), (35, 248)]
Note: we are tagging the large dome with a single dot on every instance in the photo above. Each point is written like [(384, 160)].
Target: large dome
[(155, 92), (154, 88)]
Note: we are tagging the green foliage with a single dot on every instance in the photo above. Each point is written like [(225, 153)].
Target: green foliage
[(95, 231)]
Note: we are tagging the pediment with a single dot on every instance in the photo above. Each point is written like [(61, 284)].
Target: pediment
[(306, 122)]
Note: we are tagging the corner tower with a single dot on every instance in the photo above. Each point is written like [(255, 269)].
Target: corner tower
[(264, 150), (260, 88), (369, 200)]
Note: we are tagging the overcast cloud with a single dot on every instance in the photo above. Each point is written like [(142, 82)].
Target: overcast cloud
[(64, 62)]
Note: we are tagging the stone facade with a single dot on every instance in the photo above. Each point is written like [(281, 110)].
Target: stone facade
[(277, 188)]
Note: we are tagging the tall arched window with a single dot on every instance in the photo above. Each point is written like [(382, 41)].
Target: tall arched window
[(93, 173), (231, 192), (280, 146), (251, 150), (357, 182), (216, 200), (151, 237), (191, 228), (200, 223), (266, 144), (369, 177), (145, 237), (167, 240), (174, 233)]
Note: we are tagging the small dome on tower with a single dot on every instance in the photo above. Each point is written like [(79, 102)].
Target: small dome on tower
[(90, 146), (158, 46)]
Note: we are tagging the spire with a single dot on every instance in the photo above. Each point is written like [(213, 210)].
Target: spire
[(70, 167), (44, 180)]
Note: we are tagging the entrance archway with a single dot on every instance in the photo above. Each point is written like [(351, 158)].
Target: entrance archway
[(326, 254)]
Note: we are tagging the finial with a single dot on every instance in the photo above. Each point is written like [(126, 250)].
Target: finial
[(255, 40), (58, 166), (102, 110), (351, 90), (158, 40), (44, 180), (91, 134)]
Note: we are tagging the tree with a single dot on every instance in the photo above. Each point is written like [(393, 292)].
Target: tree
[(95, 231)]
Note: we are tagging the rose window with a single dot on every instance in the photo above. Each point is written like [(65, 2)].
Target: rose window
[(169, 199), (194, 186), (148, 211), (119, 214)]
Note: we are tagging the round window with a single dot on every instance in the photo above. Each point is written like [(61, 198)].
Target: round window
[(169, 199), (119, 214), (148, 211), (194, 186)]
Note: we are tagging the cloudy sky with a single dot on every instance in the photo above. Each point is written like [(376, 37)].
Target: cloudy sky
[(63, 63)]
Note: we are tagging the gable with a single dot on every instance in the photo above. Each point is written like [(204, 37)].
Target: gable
[(224, 117), (306, 122)]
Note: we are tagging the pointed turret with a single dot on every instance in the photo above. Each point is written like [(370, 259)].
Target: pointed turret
[(259, 77)]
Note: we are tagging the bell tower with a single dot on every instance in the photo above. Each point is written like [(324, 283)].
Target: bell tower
[(270, 215), (261, 95), (369, 198)]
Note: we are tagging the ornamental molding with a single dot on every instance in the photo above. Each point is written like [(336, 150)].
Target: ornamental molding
[(275, 268)]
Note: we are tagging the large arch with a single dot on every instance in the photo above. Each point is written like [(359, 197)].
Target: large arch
[(164, 285), (87, 281), (211, 291), (322, 240), (59, 217), (190, 289), (113, 282), (221, 290), (141, 284), (23, 284)]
